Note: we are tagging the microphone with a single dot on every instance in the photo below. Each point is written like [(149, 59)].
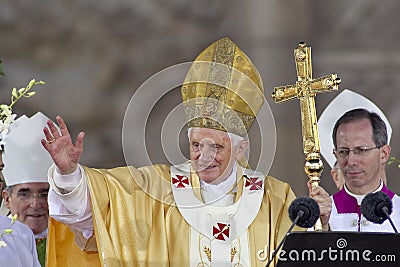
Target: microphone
[(376, 208), (304, 212)]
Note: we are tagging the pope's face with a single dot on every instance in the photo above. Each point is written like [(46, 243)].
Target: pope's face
[(29, 202), (212, 154)]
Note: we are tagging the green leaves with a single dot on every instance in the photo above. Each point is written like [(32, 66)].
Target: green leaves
[(6, 116), (24, 91)]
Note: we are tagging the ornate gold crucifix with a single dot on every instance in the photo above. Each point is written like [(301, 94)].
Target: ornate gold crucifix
[(306, 89)]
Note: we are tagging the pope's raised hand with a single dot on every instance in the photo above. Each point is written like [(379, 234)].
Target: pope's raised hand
[(64, 153)]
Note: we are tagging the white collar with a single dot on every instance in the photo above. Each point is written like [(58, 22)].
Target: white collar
[(359, 198), (224, 186), (42, 234), (204, 217)]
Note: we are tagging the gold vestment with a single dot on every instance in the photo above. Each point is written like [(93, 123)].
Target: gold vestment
[(133, 228)]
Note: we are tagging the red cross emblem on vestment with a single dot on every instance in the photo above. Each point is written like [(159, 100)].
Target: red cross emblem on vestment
[(253, 183), (180, 181), (221, 231)]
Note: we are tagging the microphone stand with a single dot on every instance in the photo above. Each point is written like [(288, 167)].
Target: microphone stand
[(299, 215), (386, 212)]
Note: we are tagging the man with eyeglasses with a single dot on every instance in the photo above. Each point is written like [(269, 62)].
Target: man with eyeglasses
[(25, 173), (361, 148)]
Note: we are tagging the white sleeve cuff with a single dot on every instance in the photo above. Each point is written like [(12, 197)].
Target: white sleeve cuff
[(72, 189), (67, 182)]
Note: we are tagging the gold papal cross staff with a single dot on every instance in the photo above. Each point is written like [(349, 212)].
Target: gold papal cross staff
[(306, 89)]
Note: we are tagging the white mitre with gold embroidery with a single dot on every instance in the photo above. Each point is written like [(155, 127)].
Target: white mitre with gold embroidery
[(345, 101)]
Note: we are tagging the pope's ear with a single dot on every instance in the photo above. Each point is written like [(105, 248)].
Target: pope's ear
[(242, 147)]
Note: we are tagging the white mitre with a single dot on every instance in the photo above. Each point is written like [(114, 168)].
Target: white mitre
[(25, 159), (345, 101)]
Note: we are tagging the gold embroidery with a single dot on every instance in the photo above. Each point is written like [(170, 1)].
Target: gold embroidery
[(233, 252), (203, 242), (207, 251), (236, 252), (220, 94)]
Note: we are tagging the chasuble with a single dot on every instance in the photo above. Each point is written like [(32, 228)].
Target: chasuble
[(154, 216)]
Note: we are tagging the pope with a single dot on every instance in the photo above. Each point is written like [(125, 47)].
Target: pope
[(211, 210)]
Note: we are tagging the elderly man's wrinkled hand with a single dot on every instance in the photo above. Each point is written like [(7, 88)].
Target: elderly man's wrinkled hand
[(64, 153)]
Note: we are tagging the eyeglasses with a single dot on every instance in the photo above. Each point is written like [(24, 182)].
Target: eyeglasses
[(360, 151), (27, 196)]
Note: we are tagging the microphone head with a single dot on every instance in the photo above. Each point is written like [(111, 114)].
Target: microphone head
[(374, 205), (307, 209)]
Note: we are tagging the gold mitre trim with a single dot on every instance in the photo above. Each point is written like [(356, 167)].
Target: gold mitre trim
[(223, 89)]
